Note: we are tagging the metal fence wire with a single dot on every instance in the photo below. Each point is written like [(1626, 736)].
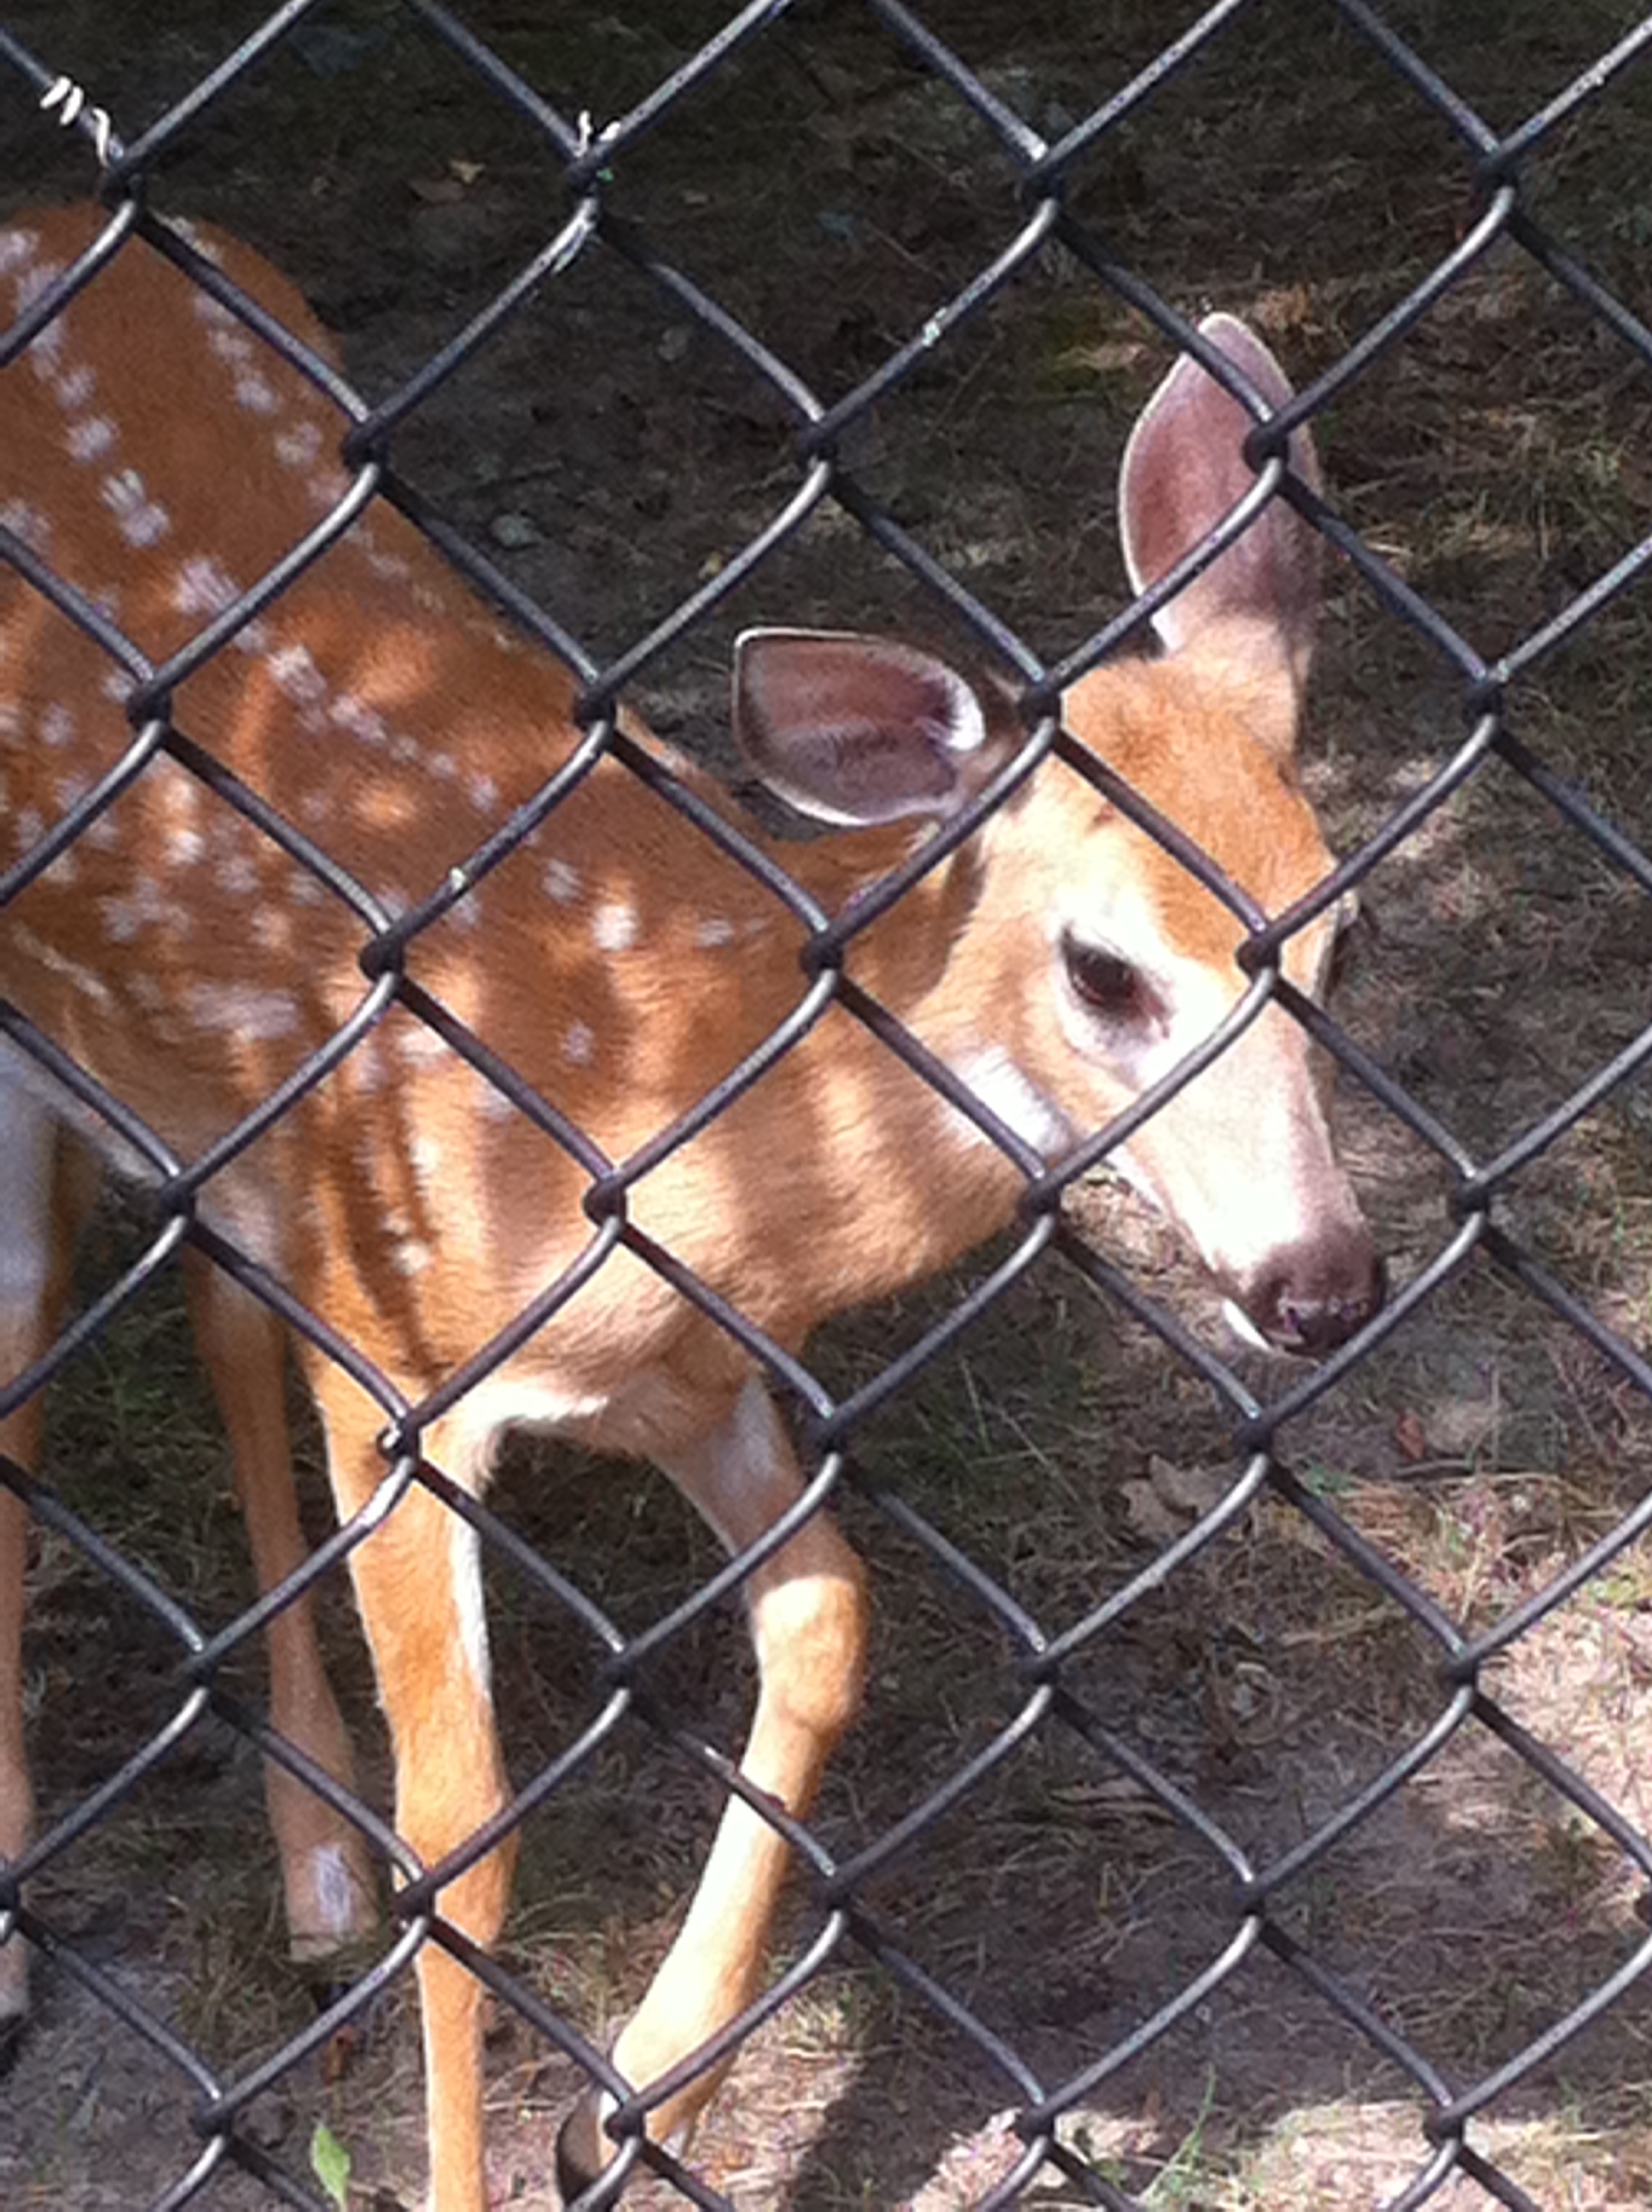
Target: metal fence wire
[(1492, 170)]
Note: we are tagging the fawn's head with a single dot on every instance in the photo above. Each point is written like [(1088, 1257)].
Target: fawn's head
[(1093, 963)]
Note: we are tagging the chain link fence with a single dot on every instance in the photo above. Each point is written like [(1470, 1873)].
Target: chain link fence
[(854, 1878)]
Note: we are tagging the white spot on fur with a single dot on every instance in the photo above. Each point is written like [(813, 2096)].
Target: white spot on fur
[(89, 438), (26, 941), (17, 247), (367, 1064), (181, 795), (272, 927), (244, 1011), (236, 876), (296, 674), (578, 1044), (123, 918), (561, 882), (484, 792), (45, 351), (75, 388), (614, 927), (358, 720), (141, 520), (299, 445), (203, 586), (714, 931), (32, 281), (26, 522), (57, 725), (184, 847)]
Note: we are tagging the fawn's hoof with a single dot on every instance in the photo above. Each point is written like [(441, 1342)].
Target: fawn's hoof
[(579, 2155)]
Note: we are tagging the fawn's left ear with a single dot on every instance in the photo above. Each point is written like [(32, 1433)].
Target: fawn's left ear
[(1252, 614), (858, 729)]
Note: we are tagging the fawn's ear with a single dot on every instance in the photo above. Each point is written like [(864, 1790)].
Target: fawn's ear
[(858, 729), (1254, 609)]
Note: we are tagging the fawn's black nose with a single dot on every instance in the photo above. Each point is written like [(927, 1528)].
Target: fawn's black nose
[(1312, 1296)]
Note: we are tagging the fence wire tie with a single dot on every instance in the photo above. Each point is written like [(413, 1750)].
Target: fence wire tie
[(70, 101)]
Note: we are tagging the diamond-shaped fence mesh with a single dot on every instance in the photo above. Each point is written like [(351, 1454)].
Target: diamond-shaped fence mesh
[(1247, 1806)]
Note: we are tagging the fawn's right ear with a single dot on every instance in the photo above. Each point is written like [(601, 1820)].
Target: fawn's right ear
[(1257, 605), (858, 730)]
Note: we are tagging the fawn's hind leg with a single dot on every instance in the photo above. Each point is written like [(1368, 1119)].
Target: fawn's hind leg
[(807, 1608), (326, 1869), (47, 1183)]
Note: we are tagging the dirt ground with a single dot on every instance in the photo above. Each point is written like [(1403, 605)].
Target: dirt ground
[(611, 457)]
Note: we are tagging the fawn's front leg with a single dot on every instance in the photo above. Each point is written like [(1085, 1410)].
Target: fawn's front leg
[(808, 1622), (418, 1583)]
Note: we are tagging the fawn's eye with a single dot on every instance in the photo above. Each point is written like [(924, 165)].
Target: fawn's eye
[(1107, 985)]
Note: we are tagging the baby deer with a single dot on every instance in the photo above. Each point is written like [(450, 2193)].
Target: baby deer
[(159, 454)]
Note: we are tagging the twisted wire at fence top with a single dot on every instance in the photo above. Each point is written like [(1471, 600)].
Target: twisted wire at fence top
[(591, 159)]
